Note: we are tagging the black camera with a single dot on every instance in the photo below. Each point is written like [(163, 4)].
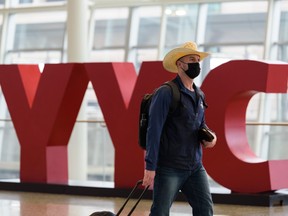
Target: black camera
[(205, 134)]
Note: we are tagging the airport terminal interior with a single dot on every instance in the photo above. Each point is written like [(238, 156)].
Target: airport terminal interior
[(43, 32)]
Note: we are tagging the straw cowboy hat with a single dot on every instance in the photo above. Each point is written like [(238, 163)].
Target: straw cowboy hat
[(189, 48)]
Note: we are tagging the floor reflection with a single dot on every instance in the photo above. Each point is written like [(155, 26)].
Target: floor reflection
[(39, 204)]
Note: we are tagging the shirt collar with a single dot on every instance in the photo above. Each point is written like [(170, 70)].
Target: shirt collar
[(181, 85)]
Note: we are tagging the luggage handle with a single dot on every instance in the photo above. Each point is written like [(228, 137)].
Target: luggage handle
[(129, 196)]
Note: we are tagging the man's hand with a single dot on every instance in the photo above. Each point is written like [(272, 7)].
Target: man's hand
[(211, 144), (148, 178)]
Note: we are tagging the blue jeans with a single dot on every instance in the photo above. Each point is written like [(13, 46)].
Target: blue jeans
[(193, 184)]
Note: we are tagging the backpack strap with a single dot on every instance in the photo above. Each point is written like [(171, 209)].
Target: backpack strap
[(175, 95), (200, 94)]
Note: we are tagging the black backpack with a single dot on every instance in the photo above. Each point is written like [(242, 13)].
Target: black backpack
[(144, 111)]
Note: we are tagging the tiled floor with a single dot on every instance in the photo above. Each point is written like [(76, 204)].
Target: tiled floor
[(39, 204)]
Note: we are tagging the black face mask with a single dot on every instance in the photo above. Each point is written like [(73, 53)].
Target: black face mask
[(193, 69)]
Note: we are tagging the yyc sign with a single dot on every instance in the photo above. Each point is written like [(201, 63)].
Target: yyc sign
[(44, 107)]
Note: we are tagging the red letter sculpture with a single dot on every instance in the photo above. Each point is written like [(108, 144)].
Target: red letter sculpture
[(231, 162), (43, 108)]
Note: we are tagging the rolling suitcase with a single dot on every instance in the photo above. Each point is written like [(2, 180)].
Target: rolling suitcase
[(107, 213)]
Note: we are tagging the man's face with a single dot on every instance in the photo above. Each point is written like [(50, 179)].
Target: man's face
[(183, 62)]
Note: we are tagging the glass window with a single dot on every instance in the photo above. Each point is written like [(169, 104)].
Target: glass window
[(109, 36), (37, 31), (139, 55), (234, 7), (144, 35), (35, 38), (181, 24), (9, 145), (25, 1), (38, 2), (33, 57), (110, 28), (100, 166), (222, 54), (107, 55), (109, 33), (283, 52), (236, 22), (39, 36), (149, 19), (101, 150), (149, 31), (274, 101), (265, 133), (236, 28), (283, 35), (1, 23)]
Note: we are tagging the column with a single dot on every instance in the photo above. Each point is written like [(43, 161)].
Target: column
[(77, 44)]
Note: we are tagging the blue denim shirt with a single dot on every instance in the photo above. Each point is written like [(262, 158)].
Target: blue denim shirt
[(172, 138)]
